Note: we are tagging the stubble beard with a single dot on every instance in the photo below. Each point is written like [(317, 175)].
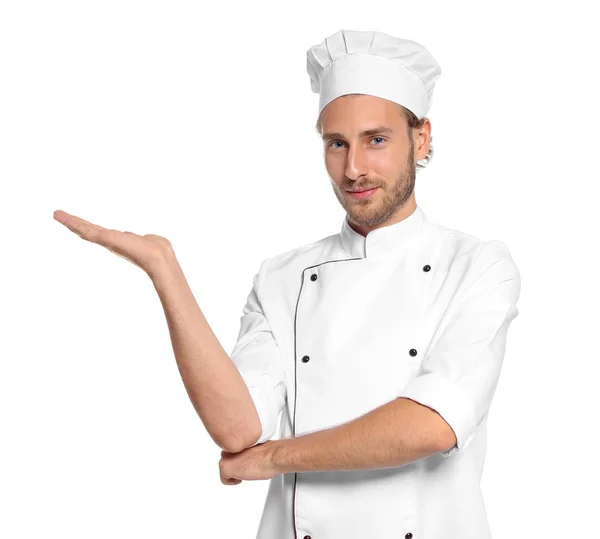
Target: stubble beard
[(367, 212)]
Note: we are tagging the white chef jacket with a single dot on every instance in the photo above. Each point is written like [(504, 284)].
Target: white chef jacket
[(336, 328)]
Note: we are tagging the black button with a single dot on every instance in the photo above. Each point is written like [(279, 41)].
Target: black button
[(307, 537), (427, 267), (412, 352), (408, 536), (305, 359), (313, 277)]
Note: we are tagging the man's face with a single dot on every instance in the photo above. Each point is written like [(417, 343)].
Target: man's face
[(383, 159)]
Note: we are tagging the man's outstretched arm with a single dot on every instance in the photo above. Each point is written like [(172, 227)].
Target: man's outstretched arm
[(215, 385)]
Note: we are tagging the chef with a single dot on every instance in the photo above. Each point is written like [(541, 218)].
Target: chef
[(376, 350)]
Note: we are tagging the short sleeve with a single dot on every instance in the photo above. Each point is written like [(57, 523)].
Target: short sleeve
[(459, 375), (258, 359)]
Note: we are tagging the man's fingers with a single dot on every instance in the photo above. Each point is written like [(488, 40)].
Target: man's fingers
[(62, 216), (86, 231), (106, 237)]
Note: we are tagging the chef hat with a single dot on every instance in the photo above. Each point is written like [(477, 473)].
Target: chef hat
[(373, 63)]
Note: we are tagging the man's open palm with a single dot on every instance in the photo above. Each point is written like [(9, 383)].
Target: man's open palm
[(144, 251)]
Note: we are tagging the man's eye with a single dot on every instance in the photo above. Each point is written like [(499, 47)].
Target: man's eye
[(332, 143)]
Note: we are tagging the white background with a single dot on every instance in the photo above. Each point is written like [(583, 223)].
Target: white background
[(196, 122)]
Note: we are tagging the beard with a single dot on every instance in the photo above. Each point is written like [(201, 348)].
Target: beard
[(370, 212)]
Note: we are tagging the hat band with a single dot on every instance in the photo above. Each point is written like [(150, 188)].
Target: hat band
[(363, 73)]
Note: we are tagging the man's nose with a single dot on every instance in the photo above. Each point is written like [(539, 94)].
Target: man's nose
[(356, 162)]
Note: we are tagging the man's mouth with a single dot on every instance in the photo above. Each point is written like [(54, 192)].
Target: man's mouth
[(363, 192), (360, 190)]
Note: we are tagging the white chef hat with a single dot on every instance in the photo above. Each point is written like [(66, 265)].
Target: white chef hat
[(373, 63)]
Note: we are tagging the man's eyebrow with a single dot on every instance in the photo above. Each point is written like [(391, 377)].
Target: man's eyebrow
[(367, 133)]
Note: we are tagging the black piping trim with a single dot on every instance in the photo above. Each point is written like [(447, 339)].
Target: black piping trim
[(296, 375)]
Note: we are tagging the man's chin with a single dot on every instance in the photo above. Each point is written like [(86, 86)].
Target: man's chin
[(362, 215)]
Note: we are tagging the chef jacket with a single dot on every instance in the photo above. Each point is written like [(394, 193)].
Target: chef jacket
[(336, 328)]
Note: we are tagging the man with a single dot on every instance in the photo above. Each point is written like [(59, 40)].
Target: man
[(378, 349)]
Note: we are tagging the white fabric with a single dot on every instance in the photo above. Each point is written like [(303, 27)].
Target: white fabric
[(370, 304), (373, 63)]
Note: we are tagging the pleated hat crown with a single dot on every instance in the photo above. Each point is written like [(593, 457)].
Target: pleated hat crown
[(373, 63)]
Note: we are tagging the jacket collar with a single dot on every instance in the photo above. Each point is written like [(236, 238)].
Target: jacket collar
[(386, 240)]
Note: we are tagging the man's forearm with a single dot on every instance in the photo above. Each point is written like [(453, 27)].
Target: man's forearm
[(394, 434), (212, 381)]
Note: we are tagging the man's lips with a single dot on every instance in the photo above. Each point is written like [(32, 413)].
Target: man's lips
[(363, 193)]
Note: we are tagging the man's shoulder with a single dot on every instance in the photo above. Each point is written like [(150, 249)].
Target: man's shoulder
[(453, 238), (472, 255), (460, 243), (304, 254)]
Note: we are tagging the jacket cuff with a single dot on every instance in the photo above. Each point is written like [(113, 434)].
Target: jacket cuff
[(448, 400), (259, 386)]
